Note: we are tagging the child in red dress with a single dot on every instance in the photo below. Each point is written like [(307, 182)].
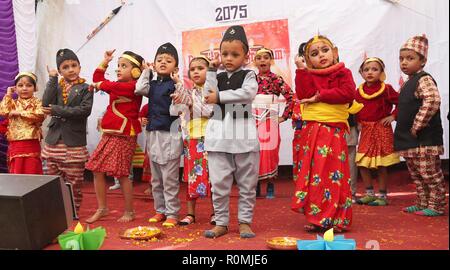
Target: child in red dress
[(24, 128), (195, 157), (376, 146), (120, 126), (325, 89)]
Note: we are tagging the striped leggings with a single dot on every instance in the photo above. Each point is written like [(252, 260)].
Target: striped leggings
[(72, 173)]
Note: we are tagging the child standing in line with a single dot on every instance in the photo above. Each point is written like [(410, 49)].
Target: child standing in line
[(266, 107), (120, 127), (69, 102), (231, 136), (196, 158), (24, 128), (418, 133), (325, 89), (376, 149), (164, 142)]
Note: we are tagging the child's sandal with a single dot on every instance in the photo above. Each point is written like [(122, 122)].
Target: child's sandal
[(217, 231), (411, 209), (170, 223), (428, 213), (189, 219)]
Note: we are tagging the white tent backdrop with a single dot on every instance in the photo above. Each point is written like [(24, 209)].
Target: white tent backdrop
[(375, 27)]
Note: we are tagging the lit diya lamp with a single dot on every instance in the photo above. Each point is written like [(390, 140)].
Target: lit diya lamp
[(80, 239), (328, 242)]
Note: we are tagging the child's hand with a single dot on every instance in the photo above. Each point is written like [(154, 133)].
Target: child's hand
[(387, 120), (211, 98), (93, 87), (144, 121), (175, 77), (47, 110), (300, 62), (313, 99), (147, 65), (176, 98), (14, 113), (52, 72), (215, 63), (10, 90), (108, 57)]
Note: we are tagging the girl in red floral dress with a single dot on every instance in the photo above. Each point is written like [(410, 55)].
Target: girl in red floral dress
[(195, 157), (325, 89), (120, 126), (265, 111)]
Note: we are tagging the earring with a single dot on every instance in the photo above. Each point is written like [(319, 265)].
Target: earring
[(135, 73)]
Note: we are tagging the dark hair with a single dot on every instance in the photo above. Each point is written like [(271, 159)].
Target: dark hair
[(244, 46), (137, 57), (31, 80), (198, 58), (64, 55), (301, 49)]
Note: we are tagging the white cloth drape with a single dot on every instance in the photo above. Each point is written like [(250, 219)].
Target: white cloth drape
[(375, 27), (25, 22)]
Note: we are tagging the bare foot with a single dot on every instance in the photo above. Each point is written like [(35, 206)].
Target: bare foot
[(127, 217), (102, 212), (245, 231), (217, 231)]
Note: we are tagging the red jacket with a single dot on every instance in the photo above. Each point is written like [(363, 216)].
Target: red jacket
[(379, 107), (122, 112), (335, 85)]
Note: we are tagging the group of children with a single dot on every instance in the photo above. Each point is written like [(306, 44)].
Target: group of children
[(230, 130)]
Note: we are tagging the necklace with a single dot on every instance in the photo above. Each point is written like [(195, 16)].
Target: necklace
[(374, 95)]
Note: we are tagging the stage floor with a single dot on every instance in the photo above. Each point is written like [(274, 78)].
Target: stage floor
[(386, 227)]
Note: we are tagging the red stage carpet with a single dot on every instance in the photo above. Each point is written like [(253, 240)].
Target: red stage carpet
[(387, 226)]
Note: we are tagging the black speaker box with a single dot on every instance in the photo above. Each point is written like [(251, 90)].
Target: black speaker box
[(32, 211)]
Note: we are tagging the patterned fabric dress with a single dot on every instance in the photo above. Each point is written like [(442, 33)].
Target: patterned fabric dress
[(195, 157), (322, 185), (323, 176), (265, 111), (23, 134), (196, 168), (376, 146)]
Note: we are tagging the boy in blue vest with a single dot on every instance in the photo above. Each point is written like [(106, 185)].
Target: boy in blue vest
[(231, 136), (164, 143), (418, 133)]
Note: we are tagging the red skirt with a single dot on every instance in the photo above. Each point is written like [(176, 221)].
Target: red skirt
[(269, 141), (376, 146), (195, 171), (322, 187), (24, 157), (113, 155)]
